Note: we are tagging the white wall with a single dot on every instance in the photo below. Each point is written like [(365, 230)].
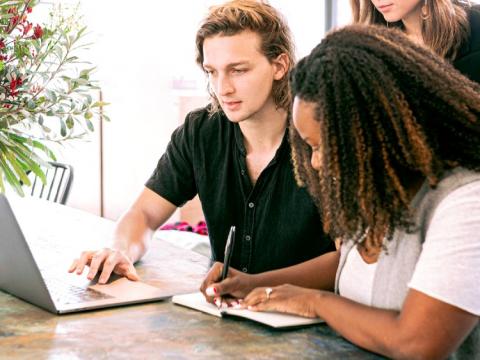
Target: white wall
[(141, 49)]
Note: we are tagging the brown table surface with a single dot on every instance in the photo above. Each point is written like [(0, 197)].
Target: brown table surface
[(159, 330)]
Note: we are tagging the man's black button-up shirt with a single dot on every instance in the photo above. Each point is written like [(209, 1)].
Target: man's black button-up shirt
[(277, 224)]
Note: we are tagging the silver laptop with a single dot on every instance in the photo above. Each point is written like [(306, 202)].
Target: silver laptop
[(34, 268)]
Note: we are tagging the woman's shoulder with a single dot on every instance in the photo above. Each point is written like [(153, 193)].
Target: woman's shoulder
[(474, 21), (468, 56), (457, 178), (472, 43)]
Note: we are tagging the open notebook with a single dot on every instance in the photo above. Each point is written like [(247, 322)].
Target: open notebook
[(276, 320)]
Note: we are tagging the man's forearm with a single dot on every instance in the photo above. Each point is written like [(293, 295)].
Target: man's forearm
[(132, 235)]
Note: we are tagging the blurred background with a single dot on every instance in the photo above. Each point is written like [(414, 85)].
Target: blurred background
[(145, 57)]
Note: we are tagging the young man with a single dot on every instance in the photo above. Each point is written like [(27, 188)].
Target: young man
[(234, 153)]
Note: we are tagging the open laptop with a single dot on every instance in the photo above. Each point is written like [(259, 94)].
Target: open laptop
[(34, 268)]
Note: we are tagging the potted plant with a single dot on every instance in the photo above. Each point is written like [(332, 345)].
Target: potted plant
[(46, 93)]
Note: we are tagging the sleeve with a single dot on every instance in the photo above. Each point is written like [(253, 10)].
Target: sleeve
[(470, 66), (173, 178), (449, 266), (469, 63)]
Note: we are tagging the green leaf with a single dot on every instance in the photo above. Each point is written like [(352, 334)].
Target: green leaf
[(50, 95), (71, 59), (81, 81), (63, 128), (69, 122), (88, 115), (80, 32), (10, 176), (29, 157), (18, 168), (89, 125), (99, 104), (31, 104), (38, 145), (46, 129), (2, 185), (59, 52), (85, 73), (2, 65), (33, 163)]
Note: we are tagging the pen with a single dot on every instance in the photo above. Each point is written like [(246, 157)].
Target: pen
[(228, 252)]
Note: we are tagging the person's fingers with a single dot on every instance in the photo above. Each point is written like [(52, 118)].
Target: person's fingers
[(258, 300), (109, 264), (73, 266), (262, 306), (231, 302), (132, 273), (254, 297), (210, 293), (225, 287), (212, 276), (85, 258), (96, 262), (217, 301)]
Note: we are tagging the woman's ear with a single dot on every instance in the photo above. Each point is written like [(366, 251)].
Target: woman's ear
[(281, 65)]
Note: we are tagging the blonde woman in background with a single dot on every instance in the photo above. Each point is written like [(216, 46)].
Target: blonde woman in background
[(451, 28)]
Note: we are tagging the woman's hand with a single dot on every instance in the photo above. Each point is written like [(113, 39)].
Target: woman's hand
[(236, 285), (285, 298)]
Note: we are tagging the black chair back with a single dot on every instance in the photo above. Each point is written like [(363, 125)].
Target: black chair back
[(59, 181)]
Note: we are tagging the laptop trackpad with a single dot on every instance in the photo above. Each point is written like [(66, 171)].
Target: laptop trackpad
[(125, 289)]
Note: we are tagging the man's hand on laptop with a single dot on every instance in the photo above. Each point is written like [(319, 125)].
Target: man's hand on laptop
[(107, 261)]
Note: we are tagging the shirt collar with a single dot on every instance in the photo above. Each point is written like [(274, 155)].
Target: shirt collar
[(282, 149)]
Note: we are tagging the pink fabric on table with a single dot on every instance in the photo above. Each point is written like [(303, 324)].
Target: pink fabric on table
[(200, 228)]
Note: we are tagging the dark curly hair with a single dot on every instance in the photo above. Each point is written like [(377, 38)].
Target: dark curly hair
[(389, 111)]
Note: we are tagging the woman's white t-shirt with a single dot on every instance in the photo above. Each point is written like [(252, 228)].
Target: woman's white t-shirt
[(448, 268)]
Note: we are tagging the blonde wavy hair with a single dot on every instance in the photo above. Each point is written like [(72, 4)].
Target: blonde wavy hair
[(443, 31), (261, 18)]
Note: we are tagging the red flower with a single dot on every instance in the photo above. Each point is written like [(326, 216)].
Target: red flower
[(29, 9), (2, 44), (14, 83), (14, 21), (27, 27), (37, 32)]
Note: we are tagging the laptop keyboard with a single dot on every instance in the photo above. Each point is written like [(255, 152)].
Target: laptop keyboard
[(65, 293)]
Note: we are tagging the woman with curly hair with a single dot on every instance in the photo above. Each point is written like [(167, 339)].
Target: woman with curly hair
[(451, 28), (386, 137)]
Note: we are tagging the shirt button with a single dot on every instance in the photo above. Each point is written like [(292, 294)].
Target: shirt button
[(243, 172), (244, 270), (248, 238), (251, 205)]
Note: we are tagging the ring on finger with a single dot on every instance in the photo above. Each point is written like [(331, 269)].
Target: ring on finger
[(268, 291)]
